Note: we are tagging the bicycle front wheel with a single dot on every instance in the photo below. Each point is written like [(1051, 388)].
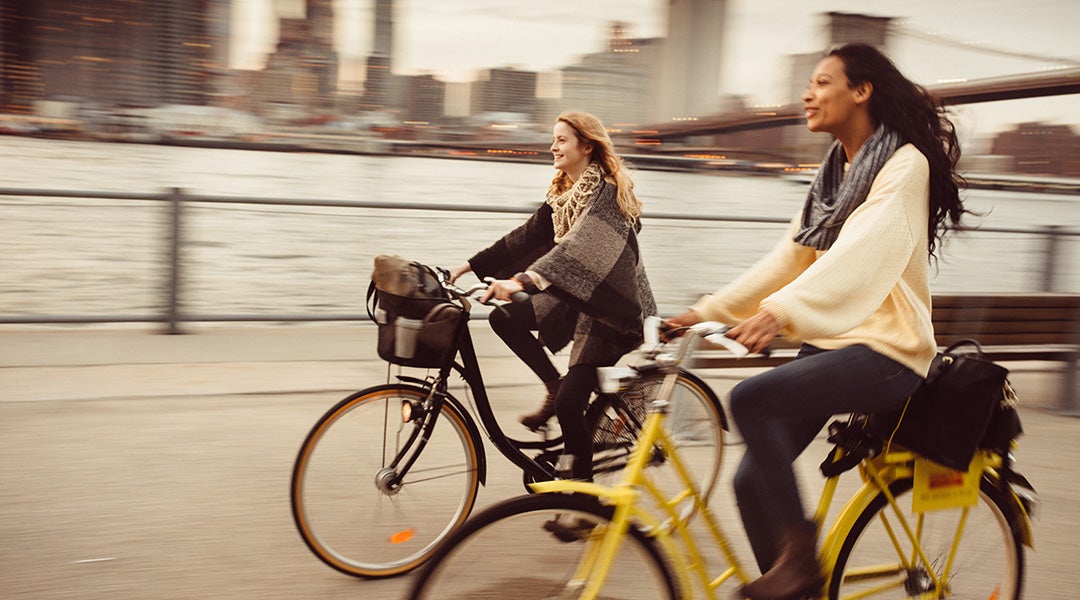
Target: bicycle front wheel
[(877, 559), (344, 505), (695, 424), (510, 551)]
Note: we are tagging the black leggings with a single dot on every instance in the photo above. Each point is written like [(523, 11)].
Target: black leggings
[(515, 324)]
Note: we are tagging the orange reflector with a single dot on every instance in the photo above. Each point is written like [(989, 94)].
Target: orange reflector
[(402, 536), (996, 593)]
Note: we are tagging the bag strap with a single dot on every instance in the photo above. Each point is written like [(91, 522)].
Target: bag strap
[(964, 342), (369, 304), (945, 359), (438, 292)]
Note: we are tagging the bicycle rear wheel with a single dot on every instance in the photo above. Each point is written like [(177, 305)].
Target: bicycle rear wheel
[(505, 551), (695, 423), (343, 505), (988, 563)]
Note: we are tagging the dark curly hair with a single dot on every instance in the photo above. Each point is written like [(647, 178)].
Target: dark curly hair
[(911, 111)]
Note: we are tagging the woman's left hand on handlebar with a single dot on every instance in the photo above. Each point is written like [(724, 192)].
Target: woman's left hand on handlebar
[(502, 289), (673, 327), (458, 271), (757, 332)]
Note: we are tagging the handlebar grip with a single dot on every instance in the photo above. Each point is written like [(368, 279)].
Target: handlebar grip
[(519, 297)]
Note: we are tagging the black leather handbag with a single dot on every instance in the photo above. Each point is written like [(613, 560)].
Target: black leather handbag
[(965, 404)]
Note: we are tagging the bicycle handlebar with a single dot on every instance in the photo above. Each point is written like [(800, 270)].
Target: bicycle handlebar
[(712, 331), (476, 288)]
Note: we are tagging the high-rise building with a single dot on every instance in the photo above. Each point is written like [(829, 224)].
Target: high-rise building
[(20, 77), (618, 85), (424, 98), (690, 84), (504, 90), (320, 56), (1041, 149), (110, 52), (377, 83), (300, 78)]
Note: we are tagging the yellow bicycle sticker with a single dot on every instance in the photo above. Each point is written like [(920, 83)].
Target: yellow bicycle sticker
[(938, 487)]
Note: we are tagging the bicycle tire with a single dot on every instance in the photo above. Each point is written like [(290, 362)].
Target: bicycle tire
[(343, 508), (989, 562), (695, 423), (505, 552)]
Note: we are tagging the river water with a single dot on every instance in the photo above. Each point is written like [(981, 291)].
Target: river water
[(63, 256)]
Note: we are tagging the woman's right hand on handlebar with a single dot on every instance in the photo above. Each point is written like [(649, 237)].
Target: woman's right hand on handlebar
[(757, 332), (503, 289)]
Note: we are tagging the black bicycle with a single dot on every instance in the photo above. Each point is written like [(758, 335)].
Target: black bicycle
[(390, 471)]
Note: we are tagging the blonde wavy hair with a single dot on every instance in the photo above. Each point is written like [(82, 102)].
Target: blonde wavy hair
[(590, 130)]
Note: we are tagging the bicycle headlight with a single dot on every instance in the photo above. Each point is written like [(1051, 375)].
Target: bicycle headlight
[(411, 411)]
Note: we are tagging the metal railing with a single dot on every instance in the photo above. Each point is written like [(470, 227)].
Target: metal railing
[(177, 199)]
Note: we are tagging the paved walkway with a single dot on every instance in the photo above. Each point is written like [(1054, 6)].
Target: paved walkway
[(138, 465)]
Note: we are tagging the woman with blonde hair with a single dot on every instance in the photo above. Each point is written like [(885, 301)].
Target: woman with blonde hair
[(577, 257)]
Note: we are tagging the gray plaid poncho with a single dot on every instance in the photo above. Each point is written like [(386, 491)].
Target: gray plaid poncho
[(599, 293)]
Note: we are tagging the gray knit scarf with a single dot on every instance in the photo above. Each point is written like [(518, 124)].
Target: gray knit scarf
[(834, 196)]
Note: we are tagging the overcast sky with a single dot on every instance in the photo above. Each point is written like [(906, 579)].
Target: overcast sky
[(455, 38)]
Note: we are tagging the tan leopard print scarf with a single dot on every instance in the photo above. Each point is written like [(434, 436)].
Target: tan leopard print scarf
[(569, 205)]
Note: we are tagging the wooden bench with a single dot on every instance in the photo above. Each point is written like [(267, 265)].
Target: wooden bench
[(1010, 327)]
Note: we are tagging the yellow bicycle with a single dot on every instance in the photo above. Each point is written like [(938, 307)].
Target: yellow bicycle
[(902, 534)]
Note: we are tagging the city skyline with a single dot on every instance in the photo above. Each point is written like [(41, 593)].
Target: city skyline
[(454, 39)]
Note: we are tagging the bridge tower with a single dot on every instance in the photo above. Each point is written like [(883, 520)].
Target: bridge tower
[(840, 28), (691, 64)]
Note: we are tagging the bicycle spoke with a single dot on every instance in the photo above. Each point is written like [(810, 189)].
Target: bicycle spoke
[(962, 553), (346, 506)]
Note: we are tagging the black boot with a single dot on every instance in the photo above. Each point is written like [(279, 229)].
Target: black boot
[(796, 573), (538, 419), (574, 467), (565, 528)]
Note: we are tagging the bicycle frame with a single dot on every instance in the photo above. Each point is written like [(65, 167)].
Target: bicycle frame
[(624, 497), (877, 472), (469, 369)]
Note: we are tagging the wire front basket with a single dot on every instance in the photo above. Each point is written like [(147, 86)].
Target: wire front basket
[(625, 412)]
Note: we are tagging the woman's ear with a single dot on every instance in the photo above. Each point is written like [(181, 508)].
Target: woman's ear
[(863, 91)]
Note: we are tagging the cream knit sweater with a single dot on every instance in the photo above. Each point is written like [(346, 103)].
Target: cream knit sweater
[(871, 287)]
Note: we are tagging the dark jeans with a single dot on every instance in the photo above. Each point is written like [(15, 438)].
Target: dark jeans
[(515, 324), (780, 411)]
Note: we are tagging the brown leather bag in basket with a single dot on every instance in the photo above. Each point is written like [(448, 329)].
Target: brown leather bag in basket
[(417, 322)]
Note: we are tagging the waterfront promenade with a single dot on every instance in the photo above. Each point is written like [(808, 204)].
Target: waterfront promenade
[(138, 466)]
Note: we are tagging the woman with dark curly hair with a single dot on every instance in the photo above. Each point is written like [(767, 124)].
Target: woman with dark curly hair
[(850, 279)]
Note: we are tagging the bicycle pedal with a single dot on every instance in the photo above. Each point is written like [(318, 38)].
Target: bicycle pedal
[(568, 532)]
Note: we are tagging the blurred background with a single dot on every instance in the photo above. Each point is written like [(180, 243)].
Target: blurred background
[(231, 168), (376, 108)]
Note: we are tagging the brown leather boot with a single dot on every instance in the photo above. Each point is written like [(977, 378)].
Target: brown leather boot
[(796, 573), (538, 419)]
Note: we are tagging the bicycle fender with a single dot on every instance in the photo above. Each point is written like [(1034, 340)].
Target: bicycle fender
[(466, 417), (710, 393), (841, 525), (607, 495), (474, 433), (1021, 506)]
